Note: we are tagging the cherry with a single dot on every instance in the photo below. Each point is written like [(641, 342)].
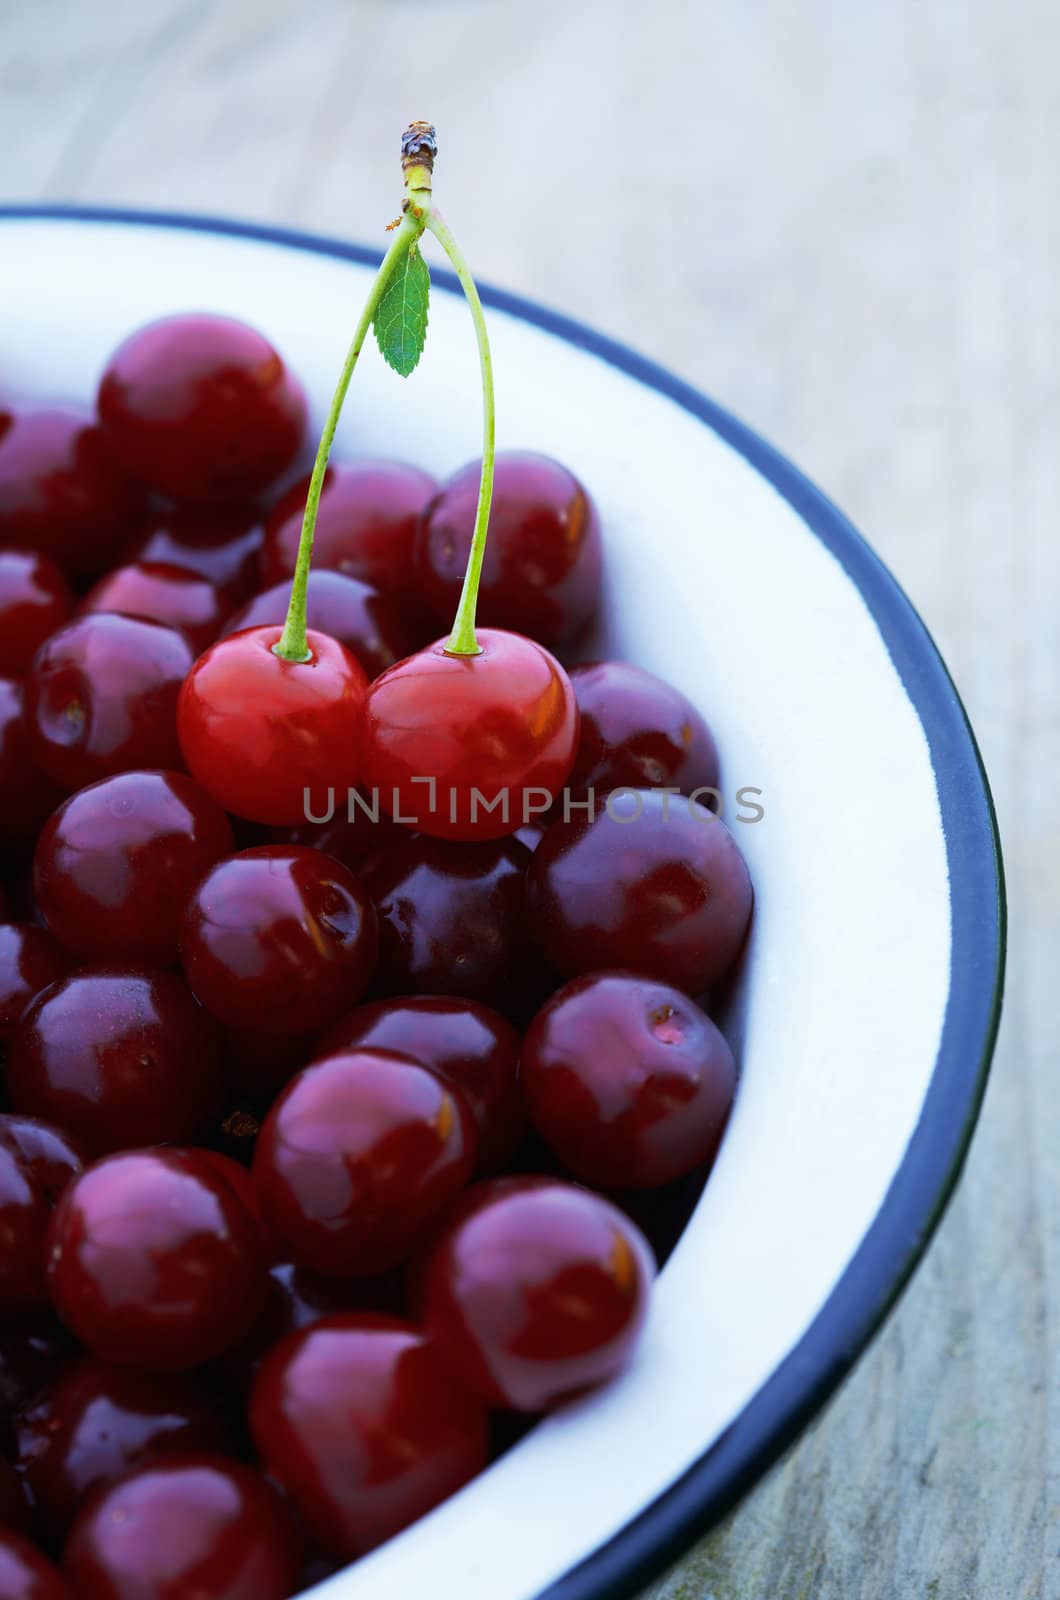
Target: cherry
[(273, 739), (201, 408), (96, 1421), (464, 1043), (366, 524), (154, 1260), (363, 1428), (356, 1157), (535, 1291), (116, 863), (353, 834), (654, 882), (14, 1507), (119, 1057), (472, 746), (102, 696), (541, 573), (35, 599), (30, 959), (279, 938), (627, 1080), (25, 1574), (638, 732), (186, 1526), (162, 592), (36, 1163), (61, 491), (296, 1299), (373, 626), (27, 795), (218, 543)]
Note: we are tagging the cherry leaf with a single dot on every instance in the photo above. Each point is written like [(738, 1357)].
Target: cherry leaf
[(401, 318)]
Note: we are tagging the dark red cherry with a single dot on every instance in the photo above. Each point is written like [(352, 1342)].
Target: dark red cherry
[(14, 1507), (116, 864), (219, 543), (188, 1527), (154, 1260), (296, 1298), (654, 882), (272, 740), (27, 795), (30, 959), (36, 1163), (357, 1156), (201, 408), (627, 1081), (541, 573), (61, 491), (279, 938), (27, 1575), (373, 626), (102, 696), (461, 1040), (363, 1428), (118, 1056), (471, 747), (535, 1291), (96, 1421), (638, 732), (35, 599), (165, 593), (366, 524)]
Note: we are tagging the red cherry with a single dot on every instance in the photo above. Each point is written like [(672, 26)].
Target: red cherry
[(27, 795), (364, 1429), (357, 1156), (279, 938), (201, 408), (261, 733), (353, 835), (536, 1291), (187, 1526), (116, 863), (218, 543), (372, 626), (154, 1260), (30, 959), (541, 573), (35, 599), (165, 593), (102, 696), (25, 1574), (638, 732), (61, 491), (448, 736), (37, 1161)]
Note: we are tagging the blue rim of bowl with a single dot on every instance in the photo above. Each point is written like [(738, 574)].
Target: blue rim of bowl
[(925, 1179)]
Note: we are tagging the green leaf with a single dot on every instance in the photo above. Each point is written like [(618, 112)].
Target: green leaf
[(401, 319)]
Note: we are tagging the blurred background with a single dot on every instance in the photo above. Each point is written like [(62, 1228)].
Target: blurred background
[(842, 222)]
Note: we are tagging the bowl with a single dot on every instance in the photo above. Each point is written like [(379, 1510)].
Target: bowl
[(868, 1003)]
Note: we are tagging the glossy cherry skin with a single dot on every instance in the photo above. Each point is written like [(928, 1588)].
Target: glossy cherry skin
[(27, 795), (119, 1056), (535, 1291), (363, 1428), (201, 408), (154, 1261), (366, 524), (193, 1525), (62, 492), (219, 543), (498, 730), (279, 938), (638, 732), (96, 1421), (35, 599), (462, 1041), (273, 740), (541, 573), (654, 882), (30, 959), (37, 1162), (116, 864), (357, 1156), (102, 696), (627, 1081), (165, 593), (27, 1575), (373, 626)]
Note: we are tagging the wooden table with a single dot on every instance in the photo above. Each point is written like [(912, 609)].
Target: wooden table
[(842, 221)]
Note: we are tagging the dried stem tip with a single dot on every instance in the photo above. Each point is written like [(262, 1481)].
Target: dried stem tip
[(419, 146)]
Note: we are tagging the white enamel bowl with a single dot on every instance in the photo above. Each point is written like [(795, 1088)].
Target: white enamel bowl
[(870, 997)]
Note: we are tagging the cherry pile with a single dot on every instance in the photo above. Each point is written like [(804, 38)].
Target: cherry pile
[(323, 1131)]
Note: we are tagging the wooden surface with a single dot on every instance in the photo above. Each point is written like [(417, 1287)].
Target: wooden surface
[(841, 220)]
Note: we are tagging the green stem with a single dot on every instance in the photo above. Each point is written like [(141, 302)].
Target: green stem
[(292, 644), (462, 641)]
